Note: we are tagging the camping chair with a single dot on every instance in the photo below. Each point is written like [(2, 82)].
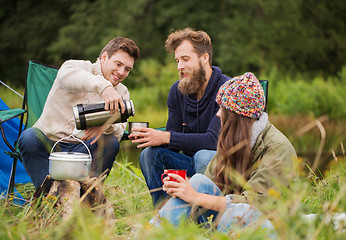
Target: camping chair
[(39, 80), (265, 84)]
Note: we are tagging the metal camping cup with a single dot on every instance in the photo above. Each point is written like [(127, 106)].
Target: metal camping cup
[(181, 173), (93, 115), (136, 125), (69, 165)]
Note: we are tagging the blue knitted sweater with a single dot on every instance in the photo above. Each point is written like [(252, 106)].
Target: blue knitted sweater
[(193, 124)]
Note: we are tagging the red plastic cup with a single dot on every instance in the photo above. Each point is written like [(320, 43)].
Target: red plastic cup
[(181, 173)]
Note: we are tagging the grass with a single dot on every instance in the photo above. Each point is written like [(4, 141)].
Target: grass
[(11, 98), (127, 193)]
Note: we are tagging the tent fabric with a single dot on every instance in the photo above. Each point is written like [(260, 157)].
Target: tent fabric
[(18, 199), (11, 131)]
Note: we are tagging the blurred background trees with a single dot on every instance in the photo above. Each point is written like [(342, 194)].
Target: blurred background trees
[(297, 36)]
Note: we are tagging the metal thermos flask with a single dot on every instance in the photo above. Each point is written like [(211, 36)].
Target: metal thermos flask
[(92, 115)]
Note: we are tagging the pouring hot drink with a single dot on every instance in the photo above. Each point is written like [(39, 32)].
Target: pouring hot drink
[(92, 115)]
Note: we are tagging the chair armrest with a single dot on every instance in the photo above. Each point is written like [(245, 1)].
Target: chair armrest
[(6, 115)]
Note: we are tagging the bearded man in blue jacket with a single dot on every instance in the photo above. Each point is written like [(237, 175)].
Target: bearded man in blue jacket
[(192, 129)]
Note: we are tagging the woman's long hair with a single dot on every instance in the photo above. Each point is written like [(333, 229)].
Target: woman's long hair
[(234, 150)]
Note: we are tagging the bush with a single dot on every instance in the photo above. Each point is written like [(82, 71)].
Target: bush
[(304, 96), (287, 95)]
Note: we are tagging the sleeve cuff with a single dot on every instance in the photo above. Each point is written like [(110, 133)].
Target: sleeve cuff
[(229, 200)]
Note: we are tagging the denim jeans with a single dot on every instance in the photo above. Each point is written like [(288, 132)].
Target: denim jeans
[(153, 160), (35, 149), (201, 159), (240, 214)]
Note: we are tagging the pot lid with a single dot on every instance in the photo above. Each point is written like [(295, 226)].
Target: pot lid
[(69, 155)]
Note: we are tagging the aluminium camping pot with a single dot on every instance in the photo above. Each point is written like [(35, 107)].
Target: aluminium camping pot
[(69, 165)]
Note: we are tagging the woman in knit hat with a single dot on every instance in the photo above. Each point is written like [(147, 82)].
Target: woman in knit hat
[(251, 155)]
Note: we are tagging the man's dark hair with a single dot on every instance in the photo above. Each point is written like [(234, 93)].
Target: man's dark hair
[(120, 43)]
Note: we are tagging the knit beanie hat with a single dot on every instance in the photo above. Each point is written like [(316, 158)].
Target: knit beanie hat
[(243, 95)]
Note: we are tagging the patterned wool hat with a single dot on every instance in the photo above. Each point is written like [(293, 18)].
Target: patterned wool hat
[(243, 95)]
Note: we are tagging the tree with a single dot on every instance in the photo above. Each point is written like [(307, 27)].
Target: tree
[(294, 36), (27, 28)]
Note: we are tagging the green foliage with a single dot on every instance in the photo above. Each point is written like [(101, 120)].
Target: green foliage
[(294, 36), (325, 190), (27, 29), (149, 85), (11, 98), (152, 73), (287, 95), (304, 95)]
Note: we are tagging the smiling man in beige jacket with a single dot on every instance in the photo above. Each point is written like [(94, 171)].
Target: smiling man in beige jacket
[(81, 82)]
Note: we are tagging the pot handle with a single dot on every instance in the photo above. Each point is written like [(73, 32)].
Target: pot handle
[(74, 138)]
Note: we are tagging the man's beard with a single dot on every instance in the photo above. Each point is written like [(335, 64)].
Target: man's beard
[(193, 84)]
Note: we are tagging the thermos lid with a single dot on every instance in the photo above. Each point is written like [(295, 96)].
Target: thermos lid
[(130, 108)]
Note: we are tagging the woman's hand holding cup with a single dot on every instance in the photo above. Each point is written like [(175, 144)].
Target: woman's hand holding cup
[(172, 177), (176, 184)]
